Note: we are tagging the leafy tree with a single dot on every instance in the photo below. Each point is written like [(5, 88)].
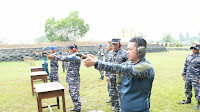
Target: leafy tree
[(41, 39), (66, 29), (168, 38)]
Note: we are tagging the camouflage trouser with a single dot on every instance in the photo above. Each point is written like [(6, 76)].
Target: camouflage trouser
[(54, 75), (101, 73), (115, 92), (108, 88), (63, 66), (188, 89), (45, 68), (74, 93)]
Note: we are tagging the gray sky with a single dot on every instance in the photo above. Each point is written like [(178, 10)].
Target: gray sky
[(22, 21)]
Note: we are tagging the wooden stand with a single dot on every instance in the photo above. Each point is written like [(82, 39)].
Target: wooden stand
[(36, 68), (49, 90), (41, 75)]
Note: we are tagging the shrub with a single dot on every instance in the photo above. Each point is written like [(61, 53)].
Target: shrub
[(181, 45), (165, 44), (177, 44)]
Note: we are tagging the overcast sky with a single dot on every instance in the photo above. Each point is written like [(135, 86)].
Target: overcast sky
[(21, 21)]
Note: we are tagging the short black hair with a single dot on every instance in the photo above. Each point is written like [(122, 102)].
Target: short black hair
[(73, 46), (139, 41)]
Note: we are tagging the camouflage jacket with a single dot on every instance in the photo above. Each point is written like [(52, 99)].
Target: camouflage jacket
[(100, 54), (73, 76), (108, 55), (118, 57), (192, 67), (54, 63)]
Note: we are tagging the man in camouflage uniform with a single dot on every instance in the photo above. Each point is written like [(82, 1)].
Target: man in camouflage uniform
[(191, 75), (54, 66), (73, 76), (108, 55), (64, 64), (118, 56), (100, 57)]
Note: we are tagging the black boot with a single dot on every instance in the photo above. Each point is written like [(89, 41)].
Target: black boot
[(198, 106), (101, 78), (188, 101), (72, 109)]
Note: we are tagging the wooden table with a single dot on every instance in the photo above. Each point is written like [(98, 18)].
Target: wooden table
[(49, 90), (42, 75), (36, 68)]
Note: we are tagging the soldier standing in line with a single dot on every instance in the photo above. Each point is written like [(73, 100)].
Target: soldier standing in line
[(118, 56), (73, 76), (54, 66), (108, 55), (191, 75), (100, 57), (44, 59), (67, 53), (63, 63)]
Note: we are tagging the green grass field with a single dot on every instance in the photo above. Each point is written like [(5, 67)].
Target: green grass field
[(167, 92)]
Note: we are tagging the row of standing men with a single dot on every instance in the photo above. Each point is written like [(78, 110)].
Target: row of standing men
[(113, 53), (72, 67)]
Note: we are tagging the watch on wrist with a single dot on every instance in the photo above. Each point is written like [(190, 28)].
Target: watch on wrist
[(96, 64)]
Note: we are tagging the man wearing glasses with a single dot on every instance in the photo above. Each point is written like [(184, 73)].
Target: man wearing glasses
[(191, 75)]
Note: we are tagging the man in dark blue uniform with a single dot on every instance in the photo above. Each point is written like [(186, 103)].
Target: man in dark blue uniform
[(191, 75), (118, 56), (54, 66), (100, 57)]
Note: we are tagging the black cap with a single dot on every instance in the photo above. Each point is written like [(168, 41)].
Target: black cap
[(196, 46), (116, 41)]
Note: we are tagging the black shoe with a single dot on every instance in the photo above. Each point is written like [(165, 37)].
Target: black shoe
[(115, 109), (198, 106), (72, 109), (109, 101), (188, 101), (100, 78)]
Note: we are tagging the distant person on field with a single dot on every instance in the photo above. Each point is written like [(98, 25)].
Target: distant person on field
[(100, 57), (191, 75)]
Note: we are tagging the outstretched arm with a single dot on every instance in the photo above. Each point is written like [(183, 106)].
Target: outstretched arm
[(140, 70)]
